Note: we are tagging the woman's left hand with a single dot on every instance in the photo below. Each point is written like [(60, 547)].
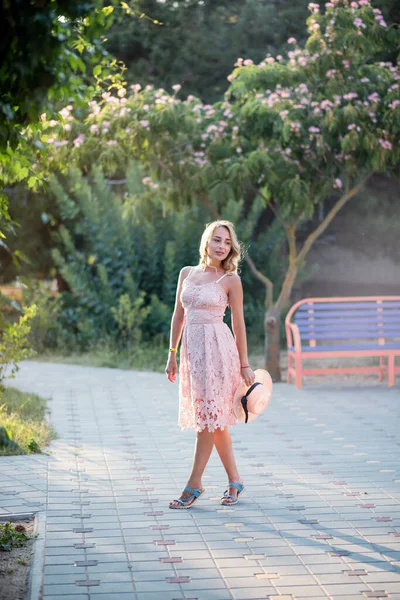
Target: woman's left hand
[(248, 376)]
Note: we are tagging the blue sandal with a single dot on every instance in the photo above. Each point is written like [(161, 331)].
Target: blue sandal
[(190, 500), (233, 500)]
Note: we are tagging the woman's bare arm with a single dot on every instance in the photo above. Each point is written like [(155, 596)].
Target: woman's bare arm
[(178, 314)]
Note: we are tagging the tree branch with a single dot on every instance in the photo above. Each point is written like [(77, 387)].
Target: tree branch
[(329, 217), (206, 200), (266, 281)]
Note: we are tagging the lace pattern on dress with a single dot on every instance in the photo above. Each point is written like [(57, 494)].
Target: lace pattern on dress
[(209, 372)]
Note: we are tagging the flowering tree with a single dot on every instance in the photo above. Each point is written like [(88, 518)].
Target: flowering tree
[(295, 131)]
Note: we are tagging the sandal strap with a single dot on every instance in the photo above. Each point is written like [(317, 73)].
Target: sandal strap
[(238, 486), (196, 492), (185, 501), (231, 497)]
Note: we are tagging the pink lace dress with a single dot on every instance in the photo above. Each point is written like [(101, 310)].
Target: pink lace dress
[(209, 370)]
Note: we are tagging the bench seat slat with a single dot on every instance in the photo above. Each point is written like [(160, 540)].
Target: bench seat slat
[(322, 320), (333, 348), (345, 305), (357, 327), (348, 336), (347, 313)]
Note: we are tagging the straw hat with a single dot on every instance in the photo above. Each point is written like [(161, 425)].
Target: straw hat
[(255, 397)]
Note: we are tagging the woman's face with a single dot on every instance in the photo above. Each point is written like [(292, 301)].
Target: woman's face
[(220, 243)]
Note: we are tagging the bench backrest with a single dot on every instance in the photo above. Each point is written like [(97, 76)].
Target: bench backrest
[(368, 318)]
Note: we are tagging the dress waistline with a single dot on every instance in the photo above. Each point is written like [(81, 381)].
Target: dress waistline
[(202, 316)]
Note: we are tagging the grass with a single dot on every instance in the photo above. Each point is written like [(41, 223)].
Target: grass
[(144, 358), (22, 417)]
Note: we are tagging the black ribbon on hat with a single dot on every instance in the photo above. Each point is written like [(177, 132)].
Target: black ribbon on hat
[(244, 399)]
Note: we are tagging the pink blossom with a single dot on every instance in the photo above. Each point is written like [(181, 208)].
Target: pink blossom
[(128, 130), (111, 143), (291, 40), (61, 143), (350, 96), (374, 97), (239, 150), (94, 128), (346, 63), (78, 141), (313, 129), (64, 112), (313, 7), (144, 123), (230, 77), (359, 22), (176, 87), (67, 127), (121, 92), (351, 126), (136, 87), (385, 144), (325, 104), (248, 62), (338, 184)]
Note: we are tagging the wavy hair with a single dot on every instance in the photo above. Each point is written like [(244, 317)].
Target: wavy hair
[(231, 263)]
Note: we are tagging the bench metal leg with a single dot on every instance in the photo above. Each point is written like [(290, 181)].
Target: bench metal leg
[(299, 378), (290, 367), (391, 370), (382, 368)]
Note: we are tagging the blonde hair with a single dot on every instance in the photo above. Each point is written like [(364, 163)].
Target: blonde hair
[(231, 262)]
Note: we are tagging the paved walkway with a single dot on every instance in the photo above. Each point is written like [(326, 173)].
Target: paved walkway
[(320, 517)]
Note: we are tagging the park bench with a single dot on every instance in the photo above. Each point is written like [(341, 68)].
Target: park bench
[(343, 328)]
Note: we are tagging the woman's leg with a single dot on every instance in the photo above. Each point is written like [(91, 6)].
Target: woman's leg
[(202, 453), (223, 444)]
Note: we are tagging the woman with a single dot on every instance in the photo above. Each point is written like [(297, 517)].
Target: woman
[(212, 361)]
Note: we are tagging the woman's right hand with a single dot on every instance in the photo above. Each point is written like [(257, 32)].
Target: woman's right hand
[(172, 367)]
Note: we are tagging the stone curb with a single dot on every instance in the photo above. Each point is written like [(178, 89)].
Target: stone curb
[(37, 567)]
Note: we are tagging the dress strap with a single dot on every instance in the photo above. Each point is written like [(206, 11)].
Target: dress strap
[(221, 277)]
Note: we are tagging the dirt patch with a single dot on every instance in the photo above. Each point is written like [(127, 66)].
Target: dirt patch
[(15, 566)]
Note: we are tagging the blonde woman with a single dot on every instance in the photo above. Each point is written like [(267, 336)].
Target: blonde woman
[(212, 361)]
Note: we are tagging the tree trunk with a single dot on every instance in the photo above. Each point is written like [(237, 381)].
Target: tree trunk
[(272, 322), (272, 348)]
